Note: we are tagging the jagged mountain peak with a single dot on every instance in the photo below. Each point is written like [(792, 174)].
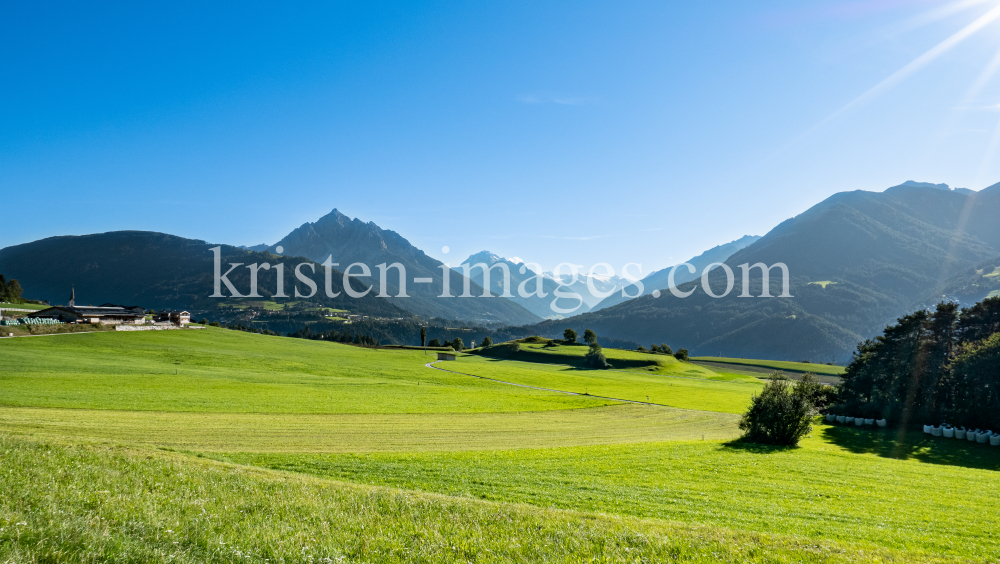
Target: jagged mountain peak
[(486, 257)]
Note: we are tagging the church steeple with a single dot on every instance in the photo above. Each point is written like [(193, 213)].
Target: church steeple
[(72, 297)]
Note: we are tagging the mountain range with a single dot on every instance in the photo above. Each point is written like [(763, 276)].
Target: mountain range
[(608, 288), (659, 280), (349, 241), (857, 261), (158, 271)]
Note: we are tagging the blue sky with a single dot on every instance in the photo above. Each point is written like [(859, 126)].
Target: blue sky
[(553, 131)]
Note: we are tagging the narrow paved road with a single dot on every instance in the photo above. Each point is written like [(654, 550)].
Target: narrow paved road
[(431, 365)]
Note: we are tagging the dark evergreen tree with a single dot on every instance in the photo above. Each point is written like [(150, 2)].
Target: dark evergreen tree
[(487, 342), (977, 322), (423, 336), (974, 380)]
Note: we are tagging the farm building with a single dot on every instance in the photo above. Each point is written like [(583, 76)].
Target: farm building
[(106, 314), (446, 356), (181, 318)]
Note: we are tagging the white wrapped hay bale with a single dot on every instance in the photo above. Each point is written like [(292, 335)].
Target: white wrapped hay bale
[(882, 422), (982, 438), (869, 421), (948, 432), (936, 431), (928, 429), (841, 419), (848, 420), (831, 417), (859, 421), (960, 434), (971, 435), (995, 440)]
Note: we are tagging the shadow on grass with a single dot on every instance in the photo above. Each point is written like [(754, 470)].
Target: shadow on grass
[(904, 444), (756, 448)]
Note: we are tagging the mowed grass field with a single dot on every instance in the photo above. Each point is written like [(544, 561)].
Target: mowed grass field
[(73, 503), (222, 446), (216, 370), (32, 307), (686, 392), (818, 369), (219, 390), (836, 486)]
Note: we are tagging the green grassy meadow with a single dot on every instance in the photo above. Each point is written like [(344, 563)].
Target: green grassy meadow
[(216, 370), (83, 503), (32, 307), (685, 392), (837, 493), (818, 369), (216, 445)]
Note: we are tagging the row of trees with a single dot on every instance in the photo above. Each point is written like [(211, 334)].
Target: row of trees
[(656, 349), (335, 337), (457, 343), (930, 367), (10, 292), (681, 354)]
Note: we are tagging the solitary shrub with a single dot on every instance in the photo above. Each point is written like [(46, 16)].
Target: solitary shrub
[(781, 415), (570, 336), (457, 344), (681, 354), (819, 396), (487, 342), (666, 350), (595, 358), (434, 343), (642, 349), (589, 337)]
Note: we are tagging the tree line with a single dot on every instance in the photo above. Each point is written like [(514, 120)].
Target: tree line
[(932, 366), (335, 337), (10, 292)]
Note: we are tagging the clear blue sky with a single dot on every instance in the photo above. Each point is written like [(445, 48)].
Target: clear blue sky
[(553, 131)]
